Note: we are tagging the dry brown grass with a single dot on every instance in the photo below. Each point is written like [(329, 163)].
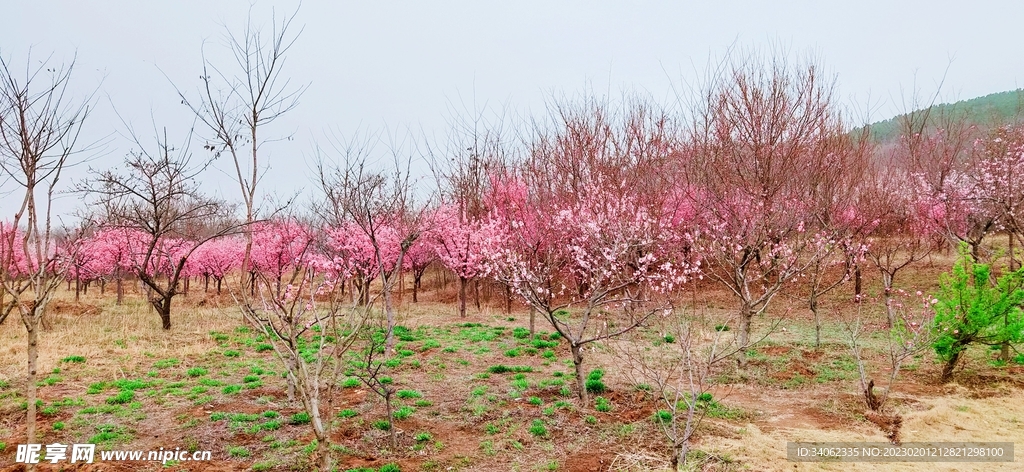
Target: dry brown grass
[(113, 339)]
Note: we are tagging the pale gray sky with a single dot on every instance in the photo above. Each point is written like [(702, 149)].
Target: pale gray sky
[(404, 64)]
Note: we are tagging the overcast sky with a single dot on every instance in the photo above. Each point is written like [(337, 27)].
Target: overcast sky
[(413, 65)]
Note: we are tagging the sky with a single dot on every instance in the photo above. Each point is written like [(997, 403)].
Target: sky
[(405, 71)]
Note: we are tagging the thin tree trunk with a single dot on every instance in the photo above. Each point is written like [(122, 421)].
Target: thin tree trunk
[(462, 297), (33, 361), (533, 317), (508, 302), (890, 314), (577, 361), (476, 292), (947, 369), (743, 338), (817, 320)]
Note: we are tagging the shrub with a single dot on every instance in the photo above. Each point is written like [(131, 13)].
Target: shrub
[(408, 394), (403, 413), (232, 353), (602, 404), (350, 382), (231, 389), (538, 429), (196, 372), (971, 310), (300, 418), (594, 383), (663, 416), (536, 401), (347, 413)]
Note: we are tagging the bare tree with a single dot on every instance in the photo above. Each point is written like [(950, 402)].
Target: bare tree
[(680, 375), (237, 102), (911, 332), (39, 130), (159, 199), (310, 313)]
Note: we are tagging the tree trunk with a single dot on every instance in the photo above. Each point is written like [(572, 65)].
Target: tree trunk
[(32, 327), (476, 293), (389, 314), (508, 302), (577, 361), (391, 420), (462, 297), (743, 337), (533, 317), (120, 290), (857, 280), (890, 314), (78, 288), (163, 308), (817, 320), (416, 286), (947, 369)]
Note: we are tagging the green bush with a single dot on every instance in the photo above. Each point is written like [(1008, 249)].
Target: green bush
[(73, 359), (350, 382), (594, 383), (408, 394), (196, 372), (602, 404), (970, 309), (300, 418), (403, 413), (538, 429)]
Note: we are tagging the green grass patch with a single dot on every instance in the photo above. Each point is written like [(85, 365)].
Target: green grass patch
[(73, 360), (504, 369), (122, 397)]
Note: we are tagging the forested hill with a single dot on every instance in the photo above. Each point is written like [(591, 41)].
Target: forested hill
[(992, 109)]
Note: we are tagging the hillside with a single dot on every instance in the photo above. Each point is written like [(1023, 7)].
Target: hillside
[(990, 109)]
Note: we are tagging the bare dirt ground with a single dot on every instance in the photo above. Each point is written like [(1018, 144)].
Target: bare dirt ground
[(211, 384)]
